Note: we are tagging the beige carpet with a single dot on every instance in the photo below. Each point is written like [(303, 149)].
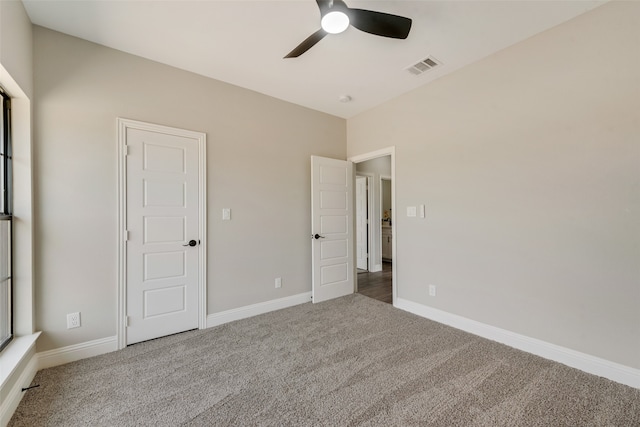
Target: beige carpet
[(347, 362)]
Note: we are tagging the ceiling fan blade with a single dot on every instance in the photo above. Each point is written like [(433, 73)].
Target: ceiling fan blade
[(380, 23), (307, 44), (324, 6)]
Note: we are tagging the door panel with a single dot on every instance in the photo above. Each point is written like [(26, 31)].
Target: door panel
[(334, 224), (164, 229), (162, 216), (162, 301), (332, 219), (164, 265), (160, 193), (333, 249)]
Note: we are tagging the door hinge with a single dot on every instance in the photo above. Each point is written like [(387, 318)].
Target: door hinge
[(126, 235), (126, 150), (127, 321)]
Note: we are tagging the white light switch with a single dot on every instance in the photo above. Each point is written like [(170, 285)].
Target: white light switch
[(226, 214), (411, 211), (422, 211)]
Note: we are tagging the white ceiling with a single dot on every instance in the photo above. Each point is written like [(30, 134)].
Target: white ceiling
[(243, 42)]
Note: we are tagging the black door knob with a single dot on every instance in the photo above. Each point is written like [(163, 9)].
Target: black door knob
[(317, 236), (191, 243)]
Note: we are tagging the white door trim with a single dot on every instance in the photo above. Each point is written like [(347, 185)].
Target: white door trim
[(370, 240), (389, 151), (123, 125), (379, 230)]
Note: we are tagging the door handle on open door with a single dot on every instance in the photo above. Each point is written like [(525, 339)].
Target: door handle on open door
[(317, 236), (192, 243)]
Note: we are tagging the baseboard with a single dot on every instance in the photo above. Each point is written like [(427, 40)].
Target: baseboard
[(223, 317), (575, 359), (60, 356), (15, 394), (376, 268)]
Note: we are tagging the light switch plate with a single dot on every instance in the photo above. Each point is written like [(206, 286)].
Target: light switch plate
[(411, 211), (226, 214)]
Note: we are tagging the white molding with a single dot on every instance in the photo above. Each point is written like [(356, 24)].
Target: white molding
[(389, 151), (227, 316), (575, 359), (203, 260), (370, 219), (13, 355), (376, 268), (122, 126), (71, 353), (121, 327), (9, 405)]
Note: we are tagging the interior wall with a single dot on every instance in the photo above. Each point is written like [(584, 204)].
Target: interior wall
[(16, 78), (528, 163), (258, 151), (16, 45), (380, 166)]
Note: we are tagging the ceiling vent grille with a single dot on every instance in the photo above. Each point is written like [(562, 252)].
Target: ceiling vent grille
[(422, 66)]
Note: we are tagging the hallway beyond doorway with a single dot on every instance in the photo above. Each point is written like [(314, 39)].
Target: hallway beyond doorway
[(377, 285)]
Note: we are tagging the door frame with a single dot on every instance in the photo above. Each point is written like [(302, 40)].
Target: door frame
[(389, 151), (384, 178), (122, 125), (369, 177)]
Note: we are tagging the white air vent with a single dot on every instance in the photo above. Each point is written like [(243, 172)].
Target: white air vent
[(422, 66)]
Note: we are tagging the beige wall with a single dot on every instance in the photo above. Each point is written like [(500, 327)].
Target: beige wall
[(258, 163), (16, 44), (528, 163), (16, 77)]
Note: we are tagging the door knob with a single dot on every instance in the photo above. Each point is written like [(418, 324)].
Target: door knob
[(317, 236), (191, 243)]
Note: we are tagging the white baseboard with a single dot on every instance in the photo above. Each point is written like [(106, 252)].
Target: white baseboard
[(223, 317), (575, 359), (60, 356), (71, 353), (15, 394)]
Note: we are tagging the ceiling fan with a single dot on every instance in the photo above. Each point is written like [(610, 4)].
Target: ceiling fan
[(336, 17)]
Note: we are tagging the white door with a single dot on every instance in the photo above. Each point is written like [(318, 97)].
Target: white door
[(361, 223), (164, 236), (331, 228)]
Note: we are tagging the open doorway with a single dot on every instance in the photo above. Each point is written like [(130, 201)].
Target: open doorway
[(377, 230)]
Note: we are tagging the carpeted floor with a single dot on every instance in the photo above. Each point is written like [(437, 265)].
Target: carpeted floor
[(351, 361)]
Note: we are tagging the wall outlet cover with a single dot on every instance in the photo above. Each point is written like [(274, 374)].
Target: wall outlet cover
[(73, 320)]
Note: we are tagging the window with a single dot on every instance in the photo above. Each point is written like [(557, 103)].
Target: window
[(6, 223)]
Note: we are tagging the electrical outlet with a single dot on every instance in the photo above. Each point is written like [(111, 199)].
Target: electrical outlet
[(73, 320), (432, 290), (278, 282)]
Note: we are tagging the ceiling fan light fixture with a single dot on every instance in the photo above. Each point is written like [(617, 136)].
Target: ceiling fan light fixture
[(335, 22)]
